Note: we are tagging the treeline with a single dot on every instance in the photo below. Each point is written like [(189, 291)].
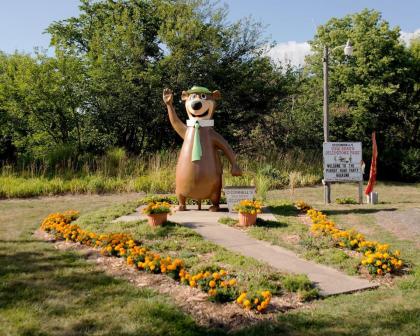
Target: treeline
[(103, 87)]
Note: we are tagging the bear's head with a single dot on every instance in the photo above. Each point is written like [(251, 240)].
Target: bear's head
[(200, 102)]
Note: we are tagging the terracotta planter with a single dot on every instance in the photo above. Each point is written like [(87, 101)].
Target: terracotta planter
[(247, 219), (157, 219)]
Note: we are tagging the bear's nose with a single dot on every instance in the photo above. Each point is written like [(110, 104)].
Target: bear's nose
[(196, 105)]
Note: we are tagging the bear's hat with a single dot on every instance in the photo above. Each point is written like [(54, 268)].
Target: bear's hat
[(199, 89)]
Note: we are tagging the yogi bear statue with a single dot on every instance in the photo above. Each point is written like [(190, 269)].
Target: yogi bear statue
[(199, 170)]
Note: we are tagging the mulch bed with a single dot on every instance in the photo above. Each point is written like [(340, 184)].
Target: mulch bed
[(228, 316)]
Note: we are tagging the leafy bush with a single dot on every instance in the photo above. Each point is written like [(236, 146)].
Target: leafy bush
[(345, 200), (410, 165)]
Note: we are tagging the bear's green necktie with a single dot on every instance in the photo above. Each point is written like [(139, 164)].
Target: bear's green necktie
[(196, 150)]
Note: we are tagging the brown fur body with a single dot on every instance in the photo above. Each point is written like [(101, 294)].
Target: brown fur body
[(199, 179)]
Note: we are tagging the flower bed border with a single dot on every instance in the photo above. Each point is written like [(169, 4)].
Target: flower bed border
[(377, 258), (218, 285)]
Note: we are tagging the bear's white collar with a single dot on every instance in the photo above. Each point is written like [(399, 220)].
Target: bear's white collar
[(203, 122)]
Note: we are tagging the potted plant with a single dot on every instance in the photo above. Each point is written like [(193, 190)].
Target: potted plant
[(157, 212), (248, 211)]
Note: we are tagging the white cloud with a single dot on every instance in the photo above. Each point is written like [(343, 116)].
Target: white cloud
[(406, 37), (294, 52), (290, 52)]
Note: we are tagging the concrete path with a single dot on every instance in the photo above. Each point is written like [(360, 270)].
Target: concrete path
[(329, 280)]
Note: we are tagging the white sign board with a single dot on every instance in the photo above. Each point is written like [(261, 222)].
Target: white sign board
[(343, 161), (236, 194)]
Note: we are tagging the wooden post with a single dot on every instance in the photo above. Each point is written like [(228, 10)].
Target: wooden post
[(361, 192), (327, 185)]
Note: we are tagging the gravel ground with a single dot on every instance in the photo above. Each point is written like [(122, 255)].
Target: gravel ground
[(404, 223)]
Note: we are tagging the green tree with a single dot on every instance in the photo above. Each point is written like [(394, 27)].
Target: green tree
[(39, 98), (373, 90), (369, 89), (132, 49)]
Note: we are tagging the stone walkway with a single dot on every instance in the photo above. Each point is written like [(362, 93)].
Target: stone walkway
[(329, 280)]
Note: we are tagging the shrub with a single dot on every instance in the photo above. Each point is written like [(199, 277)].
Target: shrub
[(345, 200), (410, 165)]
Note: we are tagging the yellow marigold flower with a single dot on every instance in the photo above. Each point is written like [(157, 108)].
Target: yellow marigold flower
[(212, 283), (193, 283), (266, 294), (379, 271), (216, 276), (222, 272), (232, 282), (264, 305), (247, 304)]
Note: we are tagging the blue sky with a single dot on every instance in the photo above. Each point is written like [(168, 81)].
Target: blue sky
[(289, 22)]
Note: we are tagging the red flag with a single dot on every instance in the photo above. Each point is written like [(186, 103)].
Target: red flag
[(372, 175)]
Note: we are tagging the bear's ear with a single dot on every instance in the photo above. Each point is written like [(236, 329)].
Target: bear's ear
[(184, 95), (216, 95)]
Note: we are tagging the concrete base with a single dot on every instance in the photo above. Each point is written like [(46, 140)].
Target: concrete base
[(372, 198), (329, 280)]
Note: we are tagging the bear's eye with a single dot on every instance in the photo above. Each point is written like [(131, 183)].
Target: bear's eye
[(193, 96), (203, 96)]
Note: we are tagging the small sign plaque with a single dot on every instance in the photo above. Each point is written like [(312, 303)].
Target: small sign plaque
[(343, 161), (236, 194)]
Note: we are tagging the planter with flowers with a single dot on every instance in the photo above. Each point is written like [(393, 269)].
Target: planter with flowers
[(248, 211), (157, 213)]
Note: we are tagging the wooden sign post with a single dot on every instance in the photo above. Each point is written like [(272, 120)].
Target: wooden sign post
[(343, 163)]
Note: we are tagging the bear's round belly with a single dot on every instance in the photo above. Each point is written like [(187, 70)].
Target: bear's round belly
[(198, 179)]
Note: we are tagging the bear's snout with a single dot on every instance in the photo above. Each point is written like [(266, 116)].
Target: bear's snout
[(196, 105)]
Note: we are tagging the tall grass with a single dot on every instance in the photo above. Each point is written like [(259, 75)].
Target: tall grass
[(155, 173)]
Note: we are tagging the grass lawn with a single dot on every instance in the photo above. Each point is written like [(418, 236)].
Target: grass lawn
[(44, 291)]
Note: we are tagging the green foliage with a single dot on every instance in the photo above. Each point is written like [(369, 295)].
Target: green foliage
[(345, 200), (101, 92), (410, 164), (302, 285), (65, 172)]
